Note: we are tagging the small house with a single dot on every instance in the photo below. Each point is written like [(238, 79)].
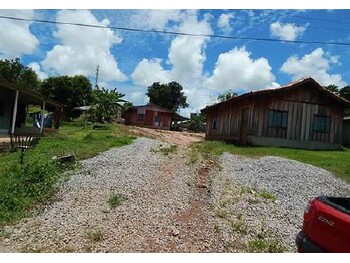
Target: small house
[(151, 116), (302, 114)]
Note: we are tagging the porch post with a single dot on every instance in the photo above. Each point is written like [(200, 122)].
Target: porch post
[(42, 118), (14, 115)]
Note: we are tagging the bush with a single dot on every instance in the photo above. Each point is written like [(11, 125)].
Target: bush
[(25, 186)]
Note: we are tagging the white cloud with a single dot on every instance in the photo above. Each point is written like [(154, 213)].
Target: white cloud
[(224, 22), (16, 38), (316, 64), (186, 54), (186, 57), (237, 71), (288, 31), (154, 19), (149, 71), (82, 49), (36, 67)]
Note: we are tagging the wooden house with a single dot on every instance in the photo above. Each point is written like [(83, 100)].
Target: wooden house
[(150, 115), (14, 105), (346, 132), (301, 114)]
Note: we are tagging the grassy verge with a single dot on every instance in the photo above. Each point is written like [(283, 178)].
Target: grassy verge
[(23, 187), (336, 162)]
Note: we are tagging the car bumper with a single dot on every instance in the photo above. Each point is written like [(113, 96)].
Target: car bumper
[(307, 246)]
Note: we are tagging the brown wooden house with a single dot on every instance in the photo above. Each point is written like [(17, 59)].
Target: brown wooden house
[(150, 115), (301, 114)]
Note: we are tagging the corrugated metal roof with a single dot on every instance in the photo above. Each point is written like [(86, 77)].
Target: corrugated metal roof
[(9, 85), (282, 88)]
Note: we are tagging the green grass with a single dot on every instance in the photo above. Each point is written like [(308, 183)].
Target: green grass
[(115, 200), (337, 162), (95, 235), (166, 150), (261, 245), (24, 187)]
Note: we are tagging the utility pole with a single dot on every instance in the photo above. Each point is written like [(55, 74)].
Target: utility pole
[(96, 79)]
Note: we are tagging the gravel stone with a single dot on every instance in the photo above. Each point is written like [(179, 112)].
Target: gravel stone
[(292, 183)]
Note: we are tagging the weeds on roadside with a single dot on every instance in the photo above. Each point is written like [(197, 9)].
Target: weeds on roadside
[(95, 235), (166, 150), (116, 199), (259, 245)]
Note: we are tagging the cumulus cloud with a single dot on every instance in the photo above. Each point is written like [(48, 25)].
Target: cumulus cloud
[(237, 71), (186, 57), (82, 49), (37, 68), (224, 22), (154, 19), (288, 31), (316, 65), (16, 37), (185, 60), (149, 71)]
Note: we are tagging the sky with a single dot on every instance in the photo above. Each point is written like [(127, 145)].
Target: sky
[(204, 66)]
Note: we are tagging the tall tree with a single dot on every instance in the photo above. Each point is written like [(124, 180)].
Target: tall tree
[(169, 95), (333, 88), (24, 77), (71, 91), (107, 103), (227, 95), (345, 93)]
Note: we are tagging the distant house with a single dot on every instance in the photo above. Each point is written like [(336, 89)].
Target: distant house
[(301, 114), (14, 108), (151, 116)]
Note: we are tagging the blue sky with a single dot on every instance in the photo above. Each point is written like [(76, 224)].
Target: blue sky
[(205, 67)]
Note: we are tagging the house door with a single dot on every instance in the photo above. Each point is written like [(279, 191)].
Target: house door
[(244, 126)]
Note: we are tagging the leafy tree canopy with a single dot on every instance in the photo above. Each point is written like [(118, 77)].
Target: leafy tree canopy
[(72, 91), (226, 95), (333, 88), (345, 93), (24, 77), (169, 95)]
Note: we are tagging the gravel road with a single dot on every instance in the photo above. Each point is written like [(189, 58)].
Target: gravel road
[(266, 198), (163, 210), (253, 205)]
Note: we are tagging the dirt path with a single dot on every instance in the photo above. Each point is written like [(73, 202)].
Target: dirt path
[(180, 138)]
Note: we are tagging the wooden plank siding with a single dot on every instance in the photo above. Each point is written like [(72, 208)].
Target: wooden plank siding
[(301, 105)]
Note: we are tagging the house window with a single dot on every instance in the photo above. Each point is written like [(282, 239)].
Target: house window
[(278, 119), (2, 109), (140, 117), (321, 123), (214, 123)]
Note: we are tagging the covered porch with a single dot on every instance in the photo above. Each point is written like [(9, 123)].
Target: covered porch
[(15, 115)]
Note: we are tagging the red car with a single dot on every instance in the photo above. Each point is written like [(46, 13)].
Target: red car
[(326, 226)]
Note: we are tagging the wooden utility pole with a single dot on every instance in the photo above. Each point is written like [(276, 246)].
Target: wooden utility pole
[(96, 79)]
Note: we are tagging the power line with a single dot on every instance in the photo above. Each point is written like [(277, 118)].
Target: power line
[(176, 33)]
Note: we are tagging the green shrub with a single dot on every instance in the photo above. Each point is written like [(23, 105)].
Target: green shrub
[(24, 186)]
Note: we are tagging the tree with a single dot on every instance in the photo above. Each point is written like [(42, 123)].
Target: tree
[(106, 103), (333, 88), (72, 91), (197, 122), (345, 93), (169, 95), (24, 77), (227, 95)]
